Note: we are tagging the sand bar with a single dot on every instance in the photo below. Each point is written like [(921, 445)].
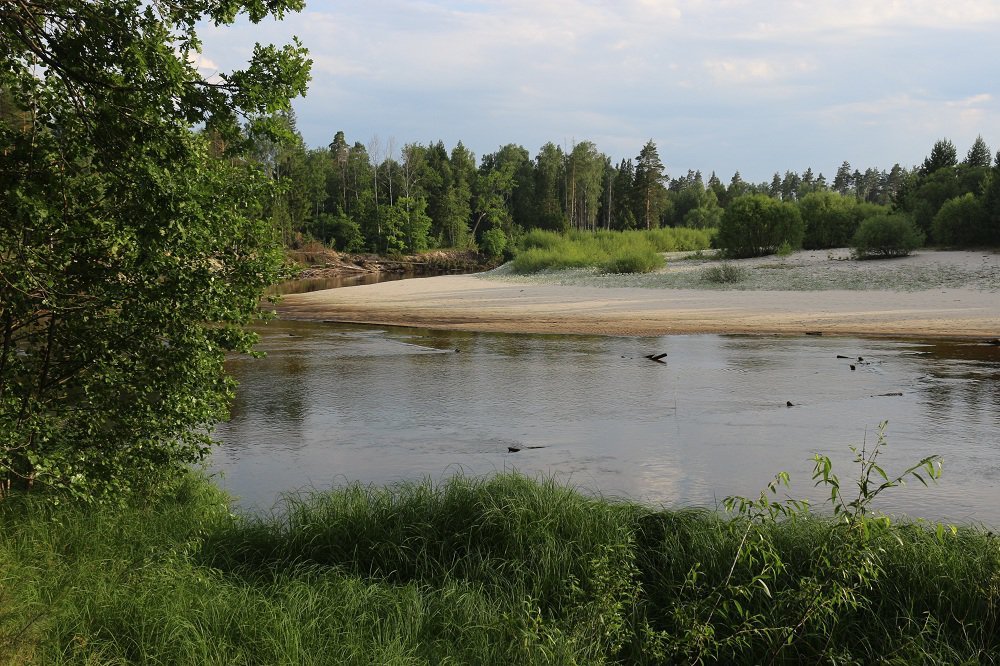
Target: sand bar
[(926, 304)]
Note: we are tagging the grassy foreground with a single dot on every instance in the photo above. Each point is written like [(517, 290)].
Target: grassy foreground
[(505, 570)]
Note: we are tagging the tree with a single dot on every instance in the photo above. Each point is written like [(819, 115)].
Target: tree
[(648, 186), (737, 187), (622, 215), (887, 235), (790, 186), (130, 257), (756, 224), (584, 174), (991, 203), (961, 221), (549, 169), (843, 181), (978, 155), (337, 186), (457, 206), (943, 155)]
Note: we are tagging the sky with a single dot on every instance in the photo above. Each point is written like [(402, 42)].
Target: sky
[(732, 85)]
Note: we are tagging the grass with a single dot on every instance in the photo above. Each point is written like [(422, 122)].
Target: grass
[(608, 251), (488, 571), (726, 273)]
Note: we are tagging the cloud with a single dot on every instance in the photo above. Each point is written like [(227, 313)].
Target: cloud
[(755, 70), (779, 83), (853, 19)]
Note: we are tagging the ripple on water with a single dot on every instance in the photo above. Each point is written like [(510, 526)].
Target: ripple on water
[(337, 402)]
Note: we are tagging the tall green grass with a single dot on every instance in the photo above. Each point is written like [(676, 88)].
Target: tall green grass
[(608, 251), (504, 570)]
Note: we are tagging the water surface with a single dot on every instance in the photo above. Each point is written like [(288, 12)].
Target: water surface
[(337, 403)]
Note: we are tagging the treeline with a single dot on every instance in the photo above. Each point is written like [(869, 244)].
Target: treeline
[(380, 197)]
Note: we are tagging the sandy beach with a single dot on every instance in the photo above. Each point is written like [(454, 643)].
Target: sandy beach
[(924, 301)]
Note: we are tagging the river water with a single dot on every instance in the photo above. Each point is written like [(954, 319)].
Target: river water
[(331, 404)]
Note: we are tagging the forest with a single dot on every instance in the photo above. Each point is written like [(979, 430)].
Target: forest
[(378, 197)]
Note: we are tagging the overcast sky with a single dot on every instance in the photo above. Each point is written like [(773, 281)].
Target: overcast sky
[(719, 86)]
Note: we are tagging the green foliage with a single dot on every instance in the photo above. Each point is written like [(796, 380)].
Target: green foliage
[(726, 273), (342, 232), (679, 239), (416, 225), (991, 203), (943, 155), (610, 251), (704, 217), (635, 259), (494, 571), (648, 191), (886, 236), (130, 257), (961, 222), (493, 243), (829, 219), (756, 225)]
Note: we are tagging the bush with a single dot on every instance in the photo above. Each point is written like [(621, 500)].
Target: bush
[(634, 260), (342, 232), (493, 243), (678, 239), (609, 251), (725, 273), (828, 219), (961, 221), (886, 236), (756, 225), (540, 238)]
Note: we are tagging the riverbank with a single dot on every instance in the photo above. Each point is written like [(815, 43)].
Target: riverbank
[(930, 294), (505, 570), (320, 262)]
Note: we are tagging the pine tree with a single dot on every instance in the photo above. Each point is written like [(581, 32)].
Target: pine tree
[(648, 185)]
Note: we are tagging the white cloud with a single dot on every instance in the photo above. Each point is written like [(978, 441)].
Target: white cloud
[(703, 77), (854, 19), (755, 70)]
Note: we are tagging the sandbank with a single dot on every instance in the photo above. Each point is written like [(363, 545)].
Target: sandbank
[(529, 305)]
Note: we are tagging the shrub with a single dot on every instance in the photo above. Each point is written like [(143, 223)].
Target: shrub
[(342, 232), (725, 273), (828, 220), (678, 239), (543, 239), (886, 236), (961, 221), (757, 225), (493, 243), (609, 251), (634, 260)]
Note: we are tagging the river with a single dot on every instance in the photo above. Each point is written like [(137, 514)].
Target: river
[(332, 404)]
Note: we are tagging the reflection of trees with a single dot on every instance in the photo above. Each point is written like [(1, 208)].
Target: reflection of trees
[(935, 397), (271, 397), (970, 383)]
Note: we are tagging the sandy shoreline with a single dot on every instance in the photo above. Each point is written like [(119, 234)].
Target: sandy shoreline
[(464, 302)]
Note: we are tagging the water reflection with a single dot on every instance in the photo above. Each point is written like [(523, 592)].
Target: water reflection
[(332, 403)]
